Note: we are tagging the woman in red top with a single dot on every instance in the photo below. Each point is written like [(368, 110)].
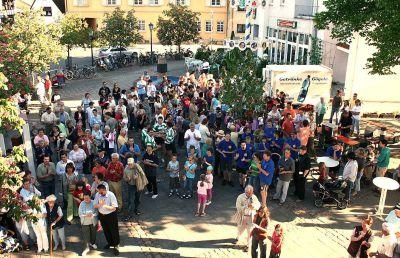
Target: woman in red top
[(276, 239), (47, 86), (259, 233), (98, 168)]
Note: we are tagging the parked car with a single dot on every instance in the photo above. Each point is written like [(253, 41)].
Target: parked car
[(107, 51)]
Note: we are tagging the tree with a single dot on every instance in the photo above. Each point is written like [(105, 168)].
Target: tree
[(376, 20), (316, 51), (241, 87), (75, 32), (178, 26), (10, 174), (120, 28), (37, 43)]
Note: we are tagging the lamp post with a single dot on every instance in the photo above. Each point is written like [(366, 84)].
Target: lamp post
[(151, 27), (91, 37)]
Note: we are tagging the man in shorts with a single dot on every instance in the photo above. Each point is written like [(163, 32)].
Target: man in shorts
[(243, 158), (267, 169)]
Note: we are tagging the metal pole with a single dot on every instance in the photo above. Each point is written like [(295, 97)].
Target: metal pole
[(91, 49), (151, 45)]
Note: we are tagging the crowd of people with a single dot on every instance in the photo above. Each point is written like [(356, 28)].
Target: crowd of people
[(96, 162)]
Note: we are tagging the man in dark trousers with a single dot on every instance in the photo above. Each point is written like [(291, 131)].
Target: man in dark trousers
[(106, 203), (336, 104), (303, 166), (151, 163)]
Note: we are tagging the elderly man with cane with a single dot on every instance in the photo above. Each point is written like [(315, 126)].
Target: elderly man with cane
[(246, 205)]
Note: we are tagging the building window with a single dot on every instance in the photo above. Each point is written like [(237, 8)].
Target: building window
[(199, 26), (215, 2), (220, 26), (47, 11), (241, 9), (208, 26), (240, 28), (80, 2), (138, 2), (111, 2), (142, 25), (154, 2), (180, 2)]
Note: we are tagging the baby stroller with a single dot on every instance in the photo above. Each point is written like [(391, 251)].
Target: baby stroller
[(330, 193), (8, 244)]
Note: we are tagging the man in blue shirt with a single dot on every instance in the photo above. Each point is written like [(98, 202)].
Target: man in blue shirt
[(129, 150), (269, 130), (267, 169), (243, 158), (263, 145), (334, 152), (293, 143), (227, 149), (276, 144)]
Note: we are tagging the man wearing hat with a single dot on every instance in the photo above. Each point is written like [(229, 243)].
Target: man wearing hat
[(102, 157), (350, 173), (393, 222)]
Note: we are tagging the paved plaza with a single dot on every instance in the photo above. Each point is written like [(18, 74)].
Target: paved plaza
[(168, 227)]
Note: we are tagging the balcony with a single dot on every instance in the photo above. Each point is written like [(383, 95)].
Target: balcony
[(305, 11)]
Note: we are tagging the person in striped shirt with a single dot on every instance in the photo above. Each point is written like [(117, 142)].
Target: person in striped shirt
[(160, 129), (170, 140), (148, 139)]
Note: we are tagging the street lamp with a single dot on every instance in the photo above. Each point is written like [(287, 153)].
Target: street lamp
[(91, 37), (151, 27)]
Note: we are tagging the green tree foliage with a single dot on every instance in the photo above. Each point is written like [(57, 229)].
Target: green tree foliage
[(10, 174), (375, 20), (242, 89), (37, 43), (120, 28), (75, 32), (316, 51), (179, 25)]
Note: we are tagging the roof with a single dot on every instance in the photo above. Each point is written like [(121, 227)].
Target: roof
[(59, 3)]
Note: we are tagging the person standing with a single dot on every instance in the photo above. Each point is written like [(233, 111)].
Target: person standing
[(246, 206), (336, 104), (227, 149), (48, 118), (267, 169), (259, 232), (286, 170), (41, 90), (106, 204), (113, 176), (151, 163), (302, 168), (193, 137), (350, 173), (356, 115), (88, 215), (40, 227), (383, 158), (56, 221), (320, 110), (243, 158), (46, 173)]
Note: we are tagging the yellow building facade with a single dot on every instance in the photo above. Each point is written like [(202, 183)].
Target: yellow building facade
[(213, 24)]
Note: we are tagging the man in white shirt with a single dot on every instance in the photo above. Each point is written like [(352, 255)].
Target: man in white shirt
[(193, 137), (48, 119), (60, 167), (41, 90), (356, 115), (393, 222), (106, 203), (350, 173), (28, 191)]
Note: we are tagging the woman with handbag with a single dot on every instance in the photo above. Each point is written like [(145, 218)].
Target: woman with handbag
[(361, 238), (259, 232), (56, 221)]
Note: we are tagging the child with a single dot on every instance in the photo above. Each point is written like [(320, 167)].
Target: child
[(190, 172), (209, 180), (208, 159), (193, 153), (202, 187), (276, 239), (173, 169), (206, 146), (78, 193)]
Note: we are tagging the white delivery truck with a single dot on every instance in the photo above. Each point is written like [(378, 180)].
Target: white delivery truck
[(302, 83)]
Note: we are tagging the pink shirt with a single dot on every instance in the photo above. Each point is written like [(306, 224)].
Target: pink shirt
[(210, 179), (202, 189)]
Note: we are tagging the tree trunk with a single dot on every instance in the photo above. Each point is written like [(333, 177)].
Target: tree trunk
[(179, 49)]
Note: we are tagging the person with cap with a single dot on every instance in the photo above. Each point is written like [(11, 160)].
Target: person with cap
[(227, 149), (386, 243), (393, 221), (56, 221), (151, 163), (350, 173), (133, 176), (88, 215), (106, 204), (113, 176), (302, 168)]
